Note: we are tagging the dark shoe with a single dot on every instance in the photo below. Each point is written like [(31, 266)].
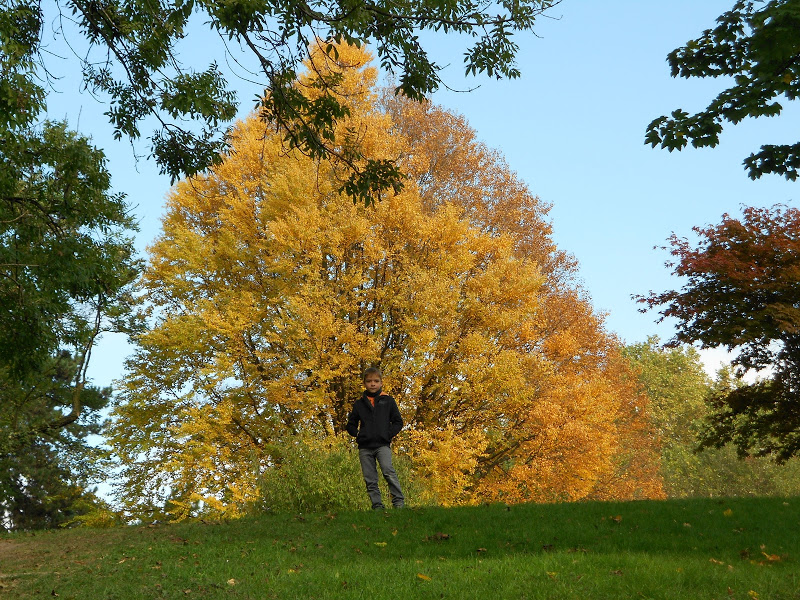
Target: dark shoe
[(379, 507)]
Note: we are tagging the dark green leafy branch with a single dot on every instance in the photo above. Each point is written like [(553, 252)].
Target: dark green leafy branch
[(131, 57), (756, 45)]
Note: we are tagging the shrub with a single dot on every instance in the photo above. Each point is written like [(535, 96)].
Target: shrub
[(321, 476)]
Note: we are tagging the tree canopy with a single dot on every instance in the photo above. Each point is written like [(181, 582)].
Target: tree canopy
[(47, 466), (268, 292), (756, 45), (742, 293), (131, 52), (678, 389), (66, 268)]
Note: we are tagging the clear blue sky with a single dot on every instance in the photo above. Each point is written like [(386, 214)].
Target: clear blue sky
[(572, 127)]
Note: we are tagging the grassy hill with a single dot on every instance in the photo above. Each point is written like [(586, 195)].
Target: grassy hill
[(745, 549)]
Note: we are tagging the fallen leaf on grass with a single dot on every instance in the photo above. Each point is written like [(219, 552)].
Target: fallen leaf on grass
[(551, 574), (719, 562), (772, 557), (231, 581), (617, 572), (423, 577), (728, 512), (481, 549), (381, 544)]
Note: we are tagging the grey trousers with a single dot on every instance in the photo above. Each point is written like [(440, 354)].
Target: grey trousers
[(383, 455)]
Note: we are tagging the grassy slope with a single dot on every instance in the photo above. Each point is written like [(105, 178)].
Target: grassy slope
[(732, 549)]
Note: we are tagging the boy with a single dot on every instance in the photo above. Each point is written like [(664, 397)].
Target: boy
[(374, 421)]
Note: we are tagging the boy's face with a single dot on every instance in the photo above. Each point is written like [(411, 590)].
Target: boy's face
[(372, 382)]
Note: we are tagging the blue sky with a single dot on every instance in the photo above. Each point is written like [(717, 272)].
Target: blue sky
[(572, 127)]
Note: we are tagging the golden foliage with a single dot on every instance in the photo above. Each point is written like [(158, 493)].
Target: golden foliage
[(445, 462), (268, 293)]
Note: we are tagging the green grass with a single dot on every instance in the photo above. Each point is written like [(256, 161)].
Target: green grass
[(706, 549)]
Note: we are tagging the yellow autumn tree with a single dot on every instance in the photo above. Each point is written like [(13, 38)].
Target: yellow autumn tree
[(581, 433), (269, 292)]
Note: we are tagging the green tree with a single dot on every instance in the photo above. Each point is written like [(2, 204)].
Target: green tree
[(742, 292), (46, 469), (678, 389), (756, 45), (676, 385), (66, 269), (129, 51)]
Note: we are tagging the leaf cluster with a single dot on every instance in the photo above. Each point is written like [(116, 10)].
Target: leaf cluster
[(760, 419), (755, 45), (66, 251), (46, 469), (21, 97), (129, 52), (741, 292), (67, 266)]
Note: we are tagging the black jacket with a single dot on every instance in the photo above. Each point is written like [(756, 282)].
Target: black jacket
[(374, 427)]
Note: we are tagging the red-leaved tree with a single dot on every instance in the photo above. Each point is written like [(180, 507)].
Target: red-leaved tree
[(742, 292)]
